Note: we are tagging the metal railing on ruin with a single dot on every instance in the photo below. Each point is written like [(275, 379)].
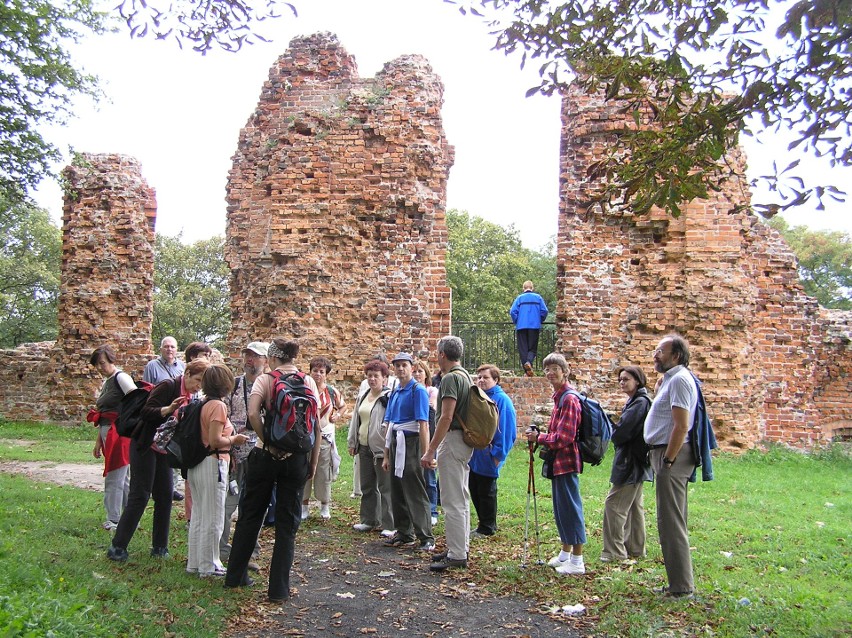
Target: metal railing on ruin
[(494, 342)]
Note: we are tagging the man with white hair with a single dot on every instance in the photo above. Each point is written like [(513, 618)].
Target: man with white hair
[(166, 366)]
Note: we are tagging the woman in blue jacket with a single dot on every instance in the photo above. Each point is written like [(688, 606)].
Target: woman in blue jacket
[(485, 464)]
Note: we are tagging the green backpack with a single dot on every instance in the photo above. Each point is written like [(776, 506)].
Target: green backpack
[(480, 420)]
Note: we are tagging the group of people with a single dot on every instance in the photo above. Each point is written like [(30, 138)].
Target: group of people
[(407, 437), (652, 441)]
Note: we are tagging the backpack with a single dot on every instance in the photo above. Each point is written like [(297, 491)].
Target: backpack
[(290, 422), (595, 430), (480, 420), (180, 438), (129, 420)]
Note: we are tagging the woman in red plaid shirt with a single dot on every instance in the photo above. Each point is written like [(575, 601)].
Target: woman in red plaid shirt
[(561, 436)]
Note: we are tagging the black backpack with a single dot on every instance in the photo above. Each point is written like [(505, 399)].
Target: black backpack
[(129, 420), (186, 449), (290, 423)]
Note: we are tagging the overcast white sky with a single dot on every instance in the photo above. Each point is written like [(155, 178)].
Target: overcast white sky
[(180, 113)]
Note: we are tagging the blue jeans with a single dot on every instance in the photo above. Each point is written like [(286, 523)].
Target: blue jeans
[(568, 509)]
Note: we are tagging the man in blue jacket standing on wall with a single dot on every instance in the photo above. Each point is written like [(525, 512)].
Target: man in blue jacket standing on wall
[(528, 312)]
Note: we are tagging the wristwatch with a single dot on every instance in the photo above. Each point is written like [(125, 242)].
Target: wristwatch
[(667, 461)]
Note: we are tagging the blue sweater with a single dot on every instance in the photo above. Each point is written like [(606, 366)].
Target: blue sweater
[(482, 461)]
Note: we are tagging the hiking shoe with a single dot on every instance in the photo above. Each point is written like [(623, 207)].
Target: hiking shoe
[(556, 561), (324, 511), (253, 566), (571, 569), (160, 552), (477, 535), (439, 557), (426, 546), (400, 541), (388, 533), (362, 527), (117, 554), (247, 582), (110, 526), (177, 496), (448, 563)]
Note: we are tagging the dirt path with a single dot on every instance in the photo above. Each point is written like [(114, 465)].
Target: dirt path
[(362, 588), (366, 589)]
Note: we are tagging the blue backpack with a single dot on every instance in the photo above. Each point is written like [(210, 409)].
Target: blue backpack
[(595, 430)]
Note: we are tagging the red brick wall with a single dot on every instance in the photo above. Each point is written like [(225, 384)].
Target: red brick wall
[(775, 365), (106, 293), (336, 232)]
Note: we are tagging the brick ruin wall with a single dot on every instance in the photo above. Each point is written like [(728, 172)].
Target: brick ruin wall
[(336, 236), (776, 366), (106, 293), (336, 232)]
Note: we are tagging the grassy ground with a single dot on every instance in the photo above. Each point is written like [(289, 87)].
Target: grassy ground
[(770, 538)]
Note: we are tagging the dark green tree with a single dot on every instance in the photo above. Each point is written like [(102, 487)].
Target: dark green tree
[(825, 262), (29, 273), (694, 75), (487, 265), (37, 83), (191, 292)]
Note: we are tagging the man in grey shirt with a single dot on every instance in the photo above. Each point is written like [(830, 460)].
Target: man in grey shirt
[(667, 429), (166, 366)]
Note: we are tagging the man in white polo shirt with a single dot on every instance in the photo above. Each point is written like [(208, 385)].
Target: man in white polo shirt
[(667, 430)]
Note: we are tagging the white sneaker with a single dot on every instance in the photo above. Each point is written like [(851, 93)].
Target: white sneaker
[(388, 533), (110, 526), (362, 527), (305, 512), (324, 512), (569, 568), (557, 562)]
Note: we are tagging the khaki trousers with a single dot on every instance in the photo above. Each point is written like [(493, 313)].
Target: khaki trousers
[(453, 470), (624, 522)]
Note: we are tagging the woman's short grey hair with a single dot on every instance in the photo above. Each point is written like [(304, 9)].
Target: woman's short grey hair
[(556, 359), (452, 347)]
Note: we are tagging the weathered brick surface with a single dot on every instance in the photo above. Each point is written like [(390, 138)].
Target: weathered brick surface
[(336, 232), (106, 293), (775, 365)]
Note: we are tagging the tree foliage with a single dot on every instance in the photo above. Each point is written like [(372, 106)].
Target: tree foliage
[(825, 262), (205, 24), (699, 73), (487, 265), (29, 274), (191, 293), (37, 82)]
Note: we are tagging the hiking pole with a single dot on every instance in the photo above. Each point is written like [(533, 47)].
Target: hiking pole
[(527, 512), (535, 505)]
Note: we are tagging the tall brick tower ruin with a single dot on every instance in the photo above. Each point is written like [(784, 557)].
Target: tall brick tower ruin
[(776, 365), (336, 232), (107, 287)]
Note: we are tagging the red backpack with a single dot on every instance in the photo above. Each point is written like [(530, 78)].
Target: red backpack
[(291, 421)]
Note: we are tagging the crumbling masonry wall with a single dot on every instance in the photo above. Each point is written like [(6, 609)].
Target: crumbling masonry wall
[(776, 366), (106, 293), (336, 232)]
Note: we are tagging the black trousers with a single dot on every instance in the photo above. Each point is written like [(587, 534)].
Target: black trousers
[(483, 494), (288, 478), (527, 344), (150, 475)]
